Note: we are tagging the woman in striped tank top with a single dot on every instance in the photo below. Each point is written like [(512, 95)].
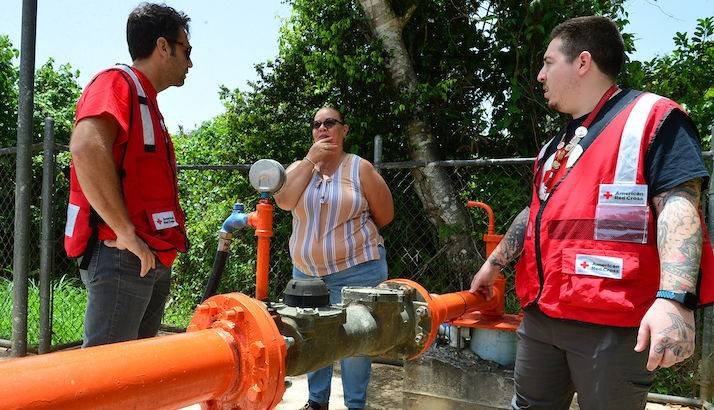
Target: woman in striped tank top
[(338, 202)]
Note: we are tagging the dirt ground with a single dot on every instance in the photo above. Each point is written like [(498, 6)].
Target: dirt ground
[(385, 390)]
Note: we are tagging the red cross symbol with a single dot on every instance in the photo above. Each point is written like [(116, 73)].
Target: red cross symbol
[(584, 264), (608, 195), (159, 221)]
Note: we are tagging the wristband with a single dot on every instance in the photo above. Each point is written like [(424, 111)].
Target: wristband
[(686, 299), (314, 165)]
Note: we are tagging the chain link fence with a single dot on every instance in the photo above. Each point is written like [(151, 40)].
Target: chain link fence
[(414, 249)]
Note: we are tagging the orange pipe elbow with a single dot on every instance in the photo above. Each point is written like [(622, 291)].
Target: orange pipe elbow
[(489, 211)]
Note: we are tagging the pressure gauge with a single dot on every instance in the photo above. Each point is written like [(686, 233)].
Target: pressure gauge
[(267, 175)]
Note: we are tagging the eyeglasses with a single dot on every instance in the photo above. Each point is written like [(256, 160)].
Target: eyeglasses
[(186, 48), (328, 123)]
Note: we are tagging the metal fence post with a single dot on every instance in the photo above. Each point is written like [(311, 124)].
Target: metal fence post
[(23, 175), (47, 242), (377, 152)]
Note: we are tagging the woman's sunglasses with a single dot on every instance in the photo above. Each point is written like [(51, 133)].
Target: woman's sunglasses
[(328, 123)]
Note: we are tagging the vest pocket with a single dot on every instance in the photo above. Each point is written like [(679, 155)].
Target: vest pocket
[(599, 279), (153, 177), (622, 223)]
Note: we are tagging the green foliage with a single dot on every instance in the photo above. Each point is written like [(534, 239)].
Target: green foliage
[(56, 92), (8, 91), (521, 121), (686, 75), (678, 380)]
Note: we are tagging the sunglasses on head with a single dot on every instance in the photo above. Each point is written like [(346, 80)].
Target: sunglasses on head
[(328, 123)]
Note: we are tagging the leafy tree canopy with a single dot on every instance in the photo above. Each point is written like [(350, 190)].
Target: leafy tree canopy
[(56, 92)]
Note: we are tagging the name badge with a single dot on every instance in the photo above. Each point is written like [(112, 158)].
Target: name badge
[(622, 194), (596, 265), (163, 220)]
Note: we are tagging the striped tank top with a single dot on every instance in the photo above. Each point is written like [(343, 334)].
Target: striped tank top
[(332, 227)]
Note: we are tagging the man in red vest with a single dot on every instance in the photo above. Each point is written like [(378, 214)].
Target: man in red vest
[(611, 243), (124, 221)]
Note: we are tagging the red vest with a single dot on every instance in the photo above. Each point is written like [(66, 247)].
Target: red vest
[(147, 168), (590, 251)]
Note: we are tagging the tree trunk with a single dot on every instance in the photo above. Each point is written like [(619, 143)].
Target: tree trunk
[(445, 210)]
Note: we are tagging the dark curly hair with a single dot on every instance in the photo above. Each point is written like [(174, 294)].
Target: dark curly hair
[(149, 21)]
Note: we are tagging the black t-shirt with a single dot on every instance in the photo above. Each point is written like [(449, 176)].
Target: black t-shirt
[(674, 156)]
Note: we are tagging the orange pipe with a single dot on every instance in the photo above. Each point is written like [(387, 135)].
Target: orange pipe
[(456, 304), (489, 211), (169, 373), (449, 306), (232, 357), (262, 220), (492, 239)]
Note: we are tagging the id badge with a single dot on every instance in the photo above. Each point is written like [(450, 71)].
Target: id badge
[(622, 213)]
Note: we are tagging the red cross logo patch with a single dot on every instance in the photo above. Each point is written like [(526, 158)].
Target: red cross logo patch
[(585, 264), (607, 195)]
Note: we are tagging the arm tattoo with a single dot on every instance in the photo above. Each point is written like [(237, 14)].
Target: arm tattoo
[(679, 236), (512, 243)]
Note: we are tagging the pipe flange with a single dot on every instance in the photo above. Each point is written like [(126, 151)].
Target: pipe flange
[(430, 314), (259, 348)]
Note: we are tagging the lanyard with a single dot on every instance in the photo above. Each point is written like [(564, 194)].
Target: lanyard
[(561, 155)]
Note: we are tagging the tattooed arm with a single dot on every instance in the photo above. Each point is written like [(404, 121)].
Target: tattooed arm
[(507, 250), (667, 325)]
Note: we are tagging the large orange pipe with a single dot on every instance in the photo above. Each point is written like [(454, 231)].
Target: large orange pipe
[(169, 373), (262, 220)]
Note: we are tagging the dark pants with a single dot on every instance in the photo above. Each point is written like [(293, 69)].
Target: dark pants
[(557, 357), (121, 305)]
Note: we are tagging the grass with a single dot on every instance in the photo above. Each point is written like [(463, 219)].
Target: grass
[(68, 304), (69, 301)]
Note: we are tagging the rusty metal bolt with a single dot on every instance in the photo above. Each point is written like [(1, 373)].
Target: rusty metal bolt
[(257, 349), (255, 393), (212, 308), (234, 314), (418, 338)]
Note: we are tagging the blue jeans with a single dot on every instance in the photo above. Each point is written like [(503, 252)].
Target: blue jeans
[(355, 370), (121, 305)]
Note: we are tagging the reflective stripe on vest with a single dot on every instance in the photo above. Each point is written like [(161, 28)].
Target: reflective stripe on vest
[(628, 156), (146, 124)]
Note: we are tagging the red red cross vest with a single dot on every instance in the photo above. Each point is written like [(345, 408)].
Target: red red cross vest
[(147, 168), (590, 251)]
